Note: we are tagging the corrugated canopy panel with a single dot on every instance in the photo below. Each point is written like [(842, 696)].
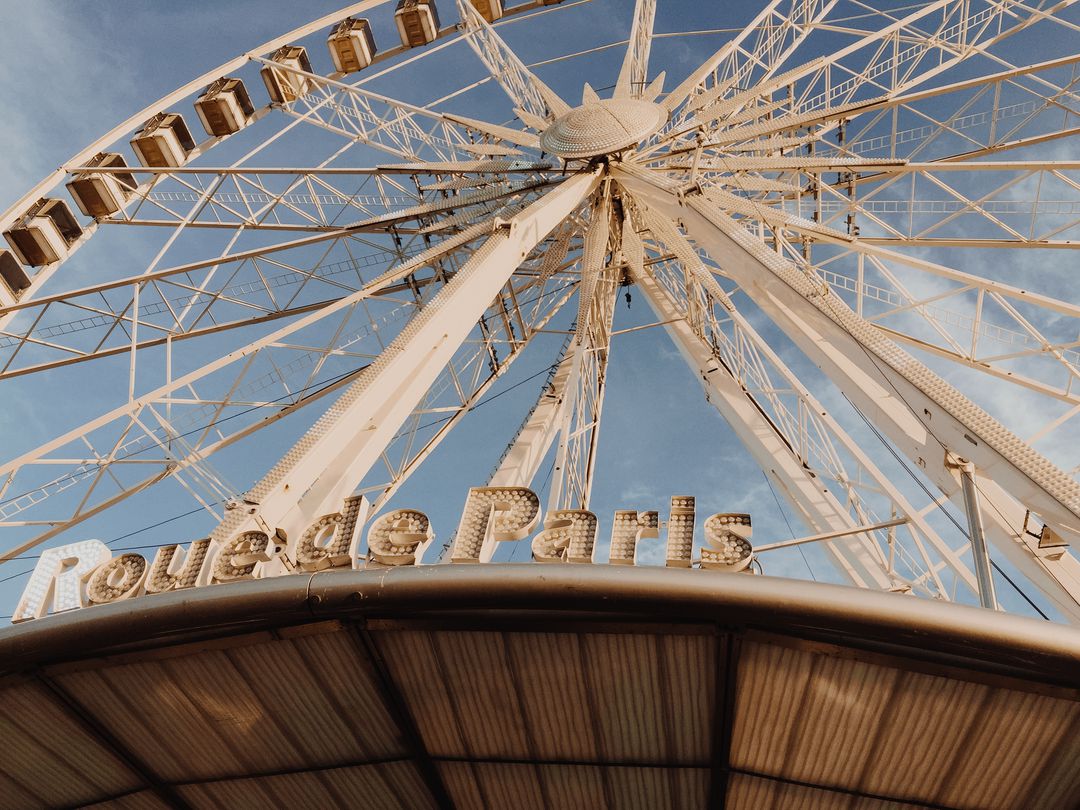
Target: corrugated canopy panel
[(49, 758), (373, 787), (407, 706), (823, 717), (143, 800), (570, 697), (262, 705)]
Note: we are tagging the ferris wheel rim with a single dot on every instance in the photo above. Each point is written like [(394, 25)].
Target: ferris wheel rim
[(183, 91), (132, 122)]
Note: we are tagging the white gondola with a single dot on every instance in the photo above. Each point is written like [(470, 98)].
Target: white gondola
[(102, 194), (163, 142), (13, 278), (490, 10), (417, 22), (352, 45), (44, 233), (285, 86), (225, 107)]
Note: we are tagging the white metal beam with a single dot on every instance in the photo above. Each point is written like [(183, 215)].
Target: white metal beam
[(333, 457), (579, 431), (810, 497), (635, 67), (747, 355), (522, 462), (781, 26), (526, 91), (923, 416), (19, 473)]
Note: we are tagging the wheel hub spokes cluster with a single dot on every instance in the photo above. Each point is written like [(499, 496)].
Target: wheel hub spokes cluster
[(603, 127)]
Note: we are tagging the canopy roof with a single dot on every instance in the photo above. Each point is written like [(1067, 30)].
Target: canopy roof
[(538, 686)]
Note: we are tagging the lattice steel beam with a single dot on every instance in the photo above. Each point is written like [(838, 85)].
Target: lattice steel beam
[(924, 417), (334, 456)]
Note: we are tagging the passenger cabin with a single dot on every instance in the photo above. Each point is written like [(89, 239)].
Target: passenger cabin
[(352, 45), (163, 142), (102, 194), (13, 278), (285, 86), (417, 22), (490, 10), (44, 233), (225, 107)]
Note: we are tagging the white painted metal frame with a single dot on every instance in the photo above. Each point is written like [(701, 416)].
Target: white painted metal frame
[(490, 240), (921, 414)]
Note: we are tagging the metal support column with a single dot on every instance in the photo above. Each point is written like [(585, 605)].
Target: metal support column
[(979, 554)]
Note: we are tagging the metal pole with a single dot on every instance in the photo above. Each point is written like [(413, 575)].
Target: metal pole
[(978, 541), (815, 538)]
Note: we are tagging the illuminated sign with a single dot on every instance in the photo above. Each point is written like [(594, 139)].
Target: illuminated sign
[(86, 573)]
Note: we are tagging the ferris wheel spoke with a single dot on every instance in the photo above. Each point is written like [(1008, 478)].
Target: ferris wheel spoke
[(228, 291), (897, 242), (456, 202), (1010, 204), (820, 443), (953, 203), (947, 32), (545, 422), (520, 463), (539, 103), (254, 198), (812, 501), (775, 218), (500, 338), (385, 123), (201, 194), (118, 326), (328, 464), (507, 135), (967, 319), (634, 73), (878, 65), (578, 430), (251, 288), (758, 122), (526, 451), (594, 260), (990, 114), (715, 162), (896, 392), (780, 27), (163, 275), (35, 479)]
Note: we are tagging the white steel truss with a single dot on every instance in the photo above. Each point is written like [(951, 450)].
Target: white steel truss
[(579, 425), (829, 182)]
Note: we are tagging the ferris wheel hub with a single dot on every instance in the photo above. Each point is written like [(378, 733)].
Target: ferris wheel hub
[(603, 127)]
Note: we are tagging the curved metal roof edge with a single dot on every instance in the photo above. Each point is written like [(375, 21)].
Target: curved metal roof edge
[(966, 636)]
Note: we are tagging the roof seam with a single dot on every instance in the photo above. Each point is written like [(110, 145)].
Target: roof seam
[(77, 712), (403, 718)]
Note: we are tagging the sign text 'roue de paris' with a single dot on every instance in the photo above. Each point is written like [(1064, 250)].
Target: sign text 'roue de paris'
[(87, 573)]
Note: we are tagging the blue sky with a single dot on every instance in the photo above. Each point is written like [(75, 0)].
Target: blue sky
[(73, 70)]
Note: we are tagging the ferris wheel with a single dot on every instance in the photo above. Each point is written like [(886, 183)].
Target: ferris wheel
[(889, 190)]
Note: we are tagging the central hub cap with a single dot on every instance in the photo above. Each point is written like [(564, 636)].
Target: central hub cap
[(602, 127)]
